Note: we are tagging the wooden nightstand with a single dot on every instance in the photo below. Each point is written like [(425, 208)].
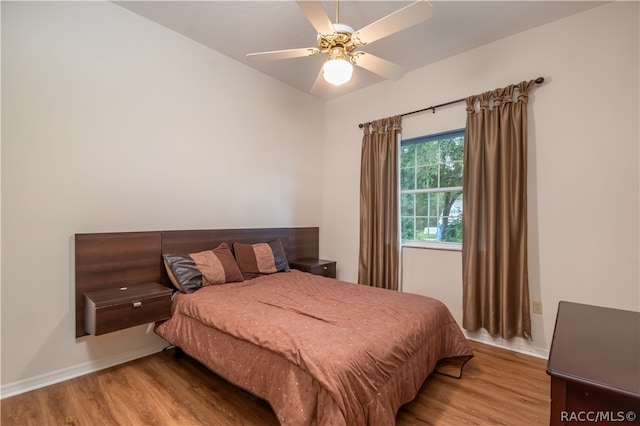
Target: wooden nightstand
[(326, 268), (115, 309)]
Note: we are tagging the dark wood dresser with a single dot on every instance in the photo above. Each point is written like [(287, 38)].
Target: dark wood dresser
[(594, 364)]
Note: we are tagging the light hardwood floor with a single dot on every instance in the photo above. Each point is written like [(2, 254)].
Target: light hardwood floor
[(498, 387)]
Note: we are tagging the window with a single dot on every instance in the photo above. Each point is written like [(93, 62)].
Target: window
[(431, 188)]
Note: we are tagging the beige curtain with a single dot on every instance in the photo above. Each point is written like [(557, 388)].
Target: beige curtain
[(379, 251), (494, 249)]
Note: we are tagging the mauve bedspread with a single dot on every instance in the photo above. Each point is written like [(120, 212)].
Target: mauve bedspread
[(321, 351)]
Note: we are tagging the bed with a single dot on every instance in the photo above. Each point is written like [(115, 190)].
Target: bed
[(319, 350)]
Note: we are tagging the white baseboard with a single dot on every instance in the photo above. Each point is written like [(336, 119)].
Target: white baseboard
[(63, 374), (516, 345)]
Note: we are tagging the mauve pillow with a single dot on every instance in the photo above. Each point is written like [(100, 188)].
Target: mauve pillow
[(189, 272), (261, 258)]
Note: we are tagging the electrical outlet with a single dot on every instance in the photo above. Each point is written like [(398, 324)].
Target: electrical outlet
[(537, 307)]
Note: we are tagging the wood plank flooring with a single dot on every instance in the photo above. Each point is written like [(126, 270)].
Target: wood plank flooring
[(498, 387)]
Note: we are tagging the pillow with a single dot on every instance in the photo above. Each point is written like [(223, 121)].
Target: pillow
[(260, 259), (189, 272)]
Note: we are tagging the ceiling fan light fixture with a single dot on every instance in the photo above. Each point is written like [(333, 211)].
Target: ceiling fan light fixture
[(337, 69)]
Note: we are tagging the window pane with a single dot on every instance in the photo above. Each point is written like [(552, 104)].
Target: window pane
[(422, 203), (433, 228), (450, 174), (447, 148), (407, 156), (427, 177), (427, 204), (422, 228), (426, 228), (452, 149), (426, 153), (408, 178), (407, 204), (452, 218), (407, 228), (451, 153)]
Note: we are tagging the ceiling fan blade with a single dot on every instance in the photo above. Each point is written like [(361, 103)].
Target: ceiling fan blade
[(317, 16), (413, 14), (318, 83), (282, 54), (380, 66)]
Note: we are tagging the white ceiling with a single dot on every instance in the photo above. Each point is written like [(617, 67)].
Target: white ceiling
[(236, 28)]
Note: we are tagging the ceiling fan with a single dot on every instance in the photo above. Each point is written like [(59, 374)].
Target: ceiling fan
[(341, 42)]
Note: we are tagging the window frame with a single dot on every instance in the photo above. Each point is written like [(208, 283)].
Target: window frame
[(440, 245)]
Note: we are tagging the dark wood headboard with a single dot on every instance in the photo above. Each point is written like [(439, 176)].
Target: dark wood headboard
[(113, 260)]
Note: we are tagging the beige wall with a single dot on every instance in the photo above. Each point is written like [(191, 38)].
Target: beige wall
[(114, 123), (583, 160)]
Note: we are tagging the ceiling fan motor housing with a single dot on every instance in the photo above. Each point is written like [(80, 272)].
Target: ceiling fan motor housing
[(340, 38)]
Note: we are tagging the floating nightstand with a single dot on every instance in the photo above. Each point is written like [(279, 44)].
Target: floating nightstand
[(119, 308), (326, 268)]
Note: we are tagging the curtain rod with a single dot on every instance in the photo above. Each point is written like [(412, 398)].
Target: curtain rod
[(539, 80)]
